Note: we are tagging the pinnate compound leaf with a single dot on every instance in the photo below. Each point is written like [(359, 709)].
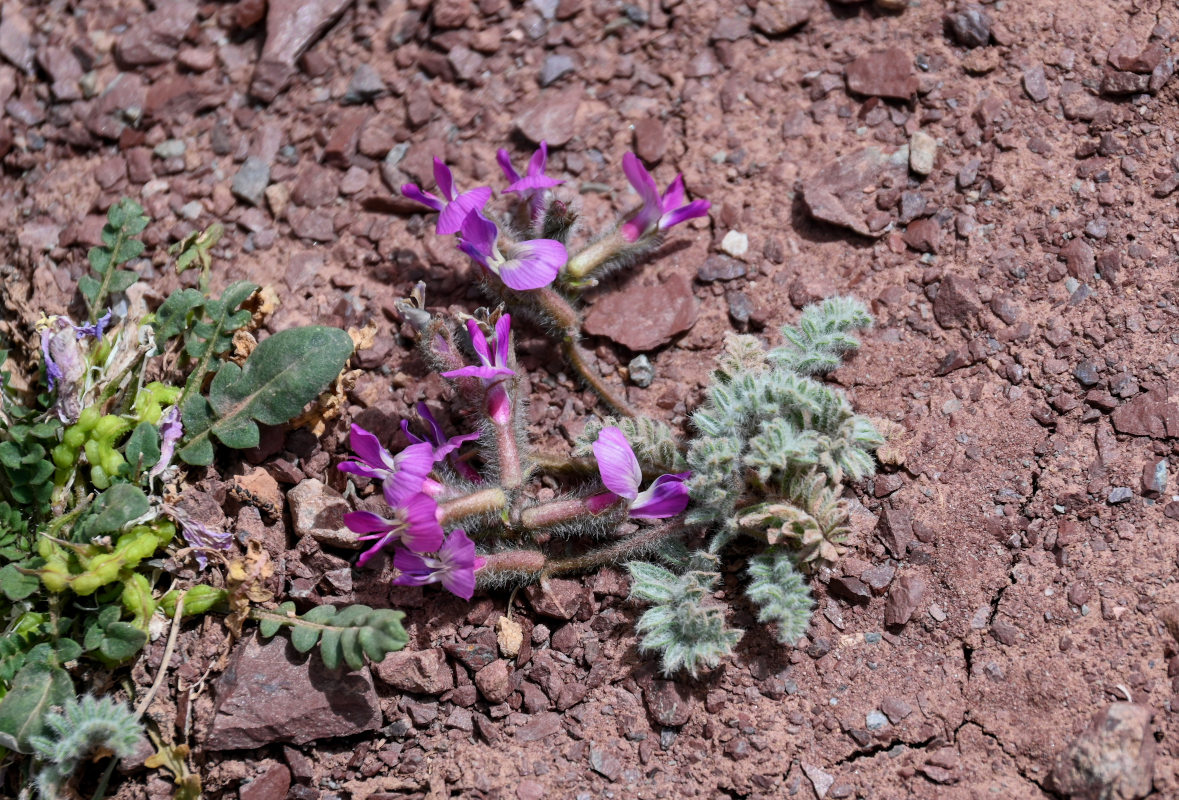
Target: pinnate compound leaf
[(37, 688), (346, 634), (283, 374)]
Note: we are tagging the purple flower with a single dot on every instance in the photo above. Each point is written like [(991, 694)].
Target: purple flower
[(414, 524), (63, 358), (493, 367), (199, 535), (444, 448), (403, 473), (94, 330), (171, 429), (454, 566), (453, 207), (532, 186), (658, 213), (531, 264), (621, 474)]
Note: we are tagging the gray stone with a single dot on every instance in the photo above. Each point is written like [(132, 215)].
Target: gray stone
[(1113, 759), (641, 371), (669, 703), (971, 26), (1120, 494), (555, 67), (270, 693), (875, 720), (365, 85), (251, 181), (318, 511)]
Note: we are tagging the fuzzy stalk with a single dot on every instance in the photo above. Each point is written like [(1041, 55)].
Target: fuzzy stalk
[(562, 464), (595, 254), (484, 501), (511, 473), (547, 515), (615, 552), (579, 358)]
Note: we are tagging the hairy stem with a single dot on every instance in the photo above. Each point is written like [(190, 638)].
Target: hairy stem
[(546, 515), (594, 255), (510, 473), (484, 501), (579, 358), (612, 553), (557, 463)]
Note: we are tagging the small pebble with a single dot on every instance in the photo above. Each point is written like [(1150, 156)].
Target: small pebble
[(642, 371), (1120, 494), (735, 244)]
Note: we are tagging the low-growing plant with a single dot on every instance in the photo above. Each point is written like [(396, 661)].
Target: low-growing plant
[(770, 449), (88, 494)]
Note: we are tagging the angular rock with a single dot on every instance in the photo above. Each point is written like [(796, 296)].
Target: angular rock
[(1154, 413), (922, 152), (250, 182), (270, 693), (451, 13), (155, 38), (650, 140), (822, 781), (318, 511), (643, 318), (420, 672), (16, 38), (782, 16), (1127, 56), (555, 67), (561, 600), (720, 268), (494, 681), (883, 73), (957, 304), (835, 193), (291, 27), (1035, 84), (1113, 759), (971, 26), (552, 118), (903, 598), (539, 727), (272, 784), (669, 703), (365, 85), (895, 530), (850, 589), (923, 235)]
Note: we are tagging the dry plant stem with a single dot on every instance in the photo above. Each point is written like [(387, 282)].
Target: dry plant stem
[(168, 649), (483, 501), (561, 464), (511, 476)]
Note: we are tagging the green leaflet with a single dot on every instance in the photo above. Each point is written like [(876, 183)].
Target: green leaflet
[(350, 633), (38, 687), (283, 374)]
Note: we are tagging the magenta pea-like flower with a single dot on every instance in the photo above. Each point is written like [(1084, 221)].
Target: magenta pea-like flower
[(657, 213), (453, 207), (532, 185), (444, 448), (531, 264), (403, 473), (492, 368), (454, 566), (414, 524), (621, 474)]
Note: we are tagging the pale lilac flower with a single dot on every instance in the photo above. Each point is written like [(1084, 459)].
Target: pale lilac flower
[(94, 330), (492, 368), (453, 566), (414, 524), (531, 264), (199, 535), (171, 429), (657, 213), (452, 207), (532, 186), (444, 448), (403, 473), (621, 474), (61, 352)]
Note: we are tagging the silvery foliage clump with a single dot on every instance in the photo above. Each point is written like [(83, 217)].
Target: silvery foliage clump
[(79, 730), (772, 449)]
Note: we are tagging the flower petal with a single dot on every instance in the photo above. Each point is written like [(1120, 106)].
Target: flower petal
[(666, 497), (412, 192), (458, 564), (356, 468), (367, 522), (533, 264), (499, 404), (617, 463), (368, 447), (696, 208), (648, 215), (504, 159), (539, 159), (479, 342), (532, 183), (413, 569), (503, 340), (423, 534), (673, 198), (443, 179), (486, 373), (479, 233), (456, 211)]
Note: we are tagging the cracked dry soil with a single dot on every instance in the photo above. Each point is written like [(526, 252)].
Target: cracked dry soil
[(1010, 573)]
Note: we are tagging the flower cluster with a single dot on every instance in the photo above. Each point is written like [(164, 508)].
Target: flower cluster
[(412, 526), (536, 263)]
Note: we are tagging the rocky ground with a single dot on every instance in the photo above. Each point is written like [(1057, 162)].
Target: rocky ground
[(996, 181)]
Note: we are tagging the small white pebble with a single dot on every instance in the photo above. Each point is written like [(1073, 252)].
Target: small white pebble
[(735, 244)]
